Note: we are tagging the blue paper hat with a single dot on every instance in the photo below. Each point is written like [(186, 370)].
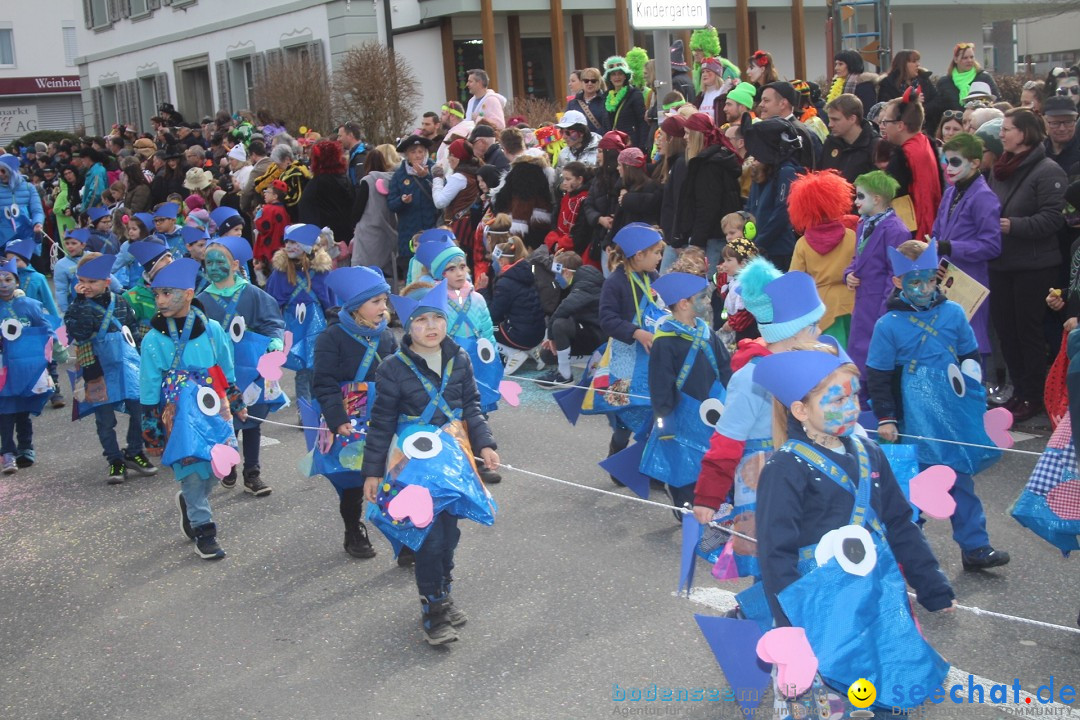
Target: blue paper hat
[(303, 235), (902, 265), (146, 219), (353, 286), (436, 254), (795, 305), (193, 235), (96, 213), (433, 301), (676, 286), (99, 268), (790, 376), (80, 234), (167, 210), (23, 248), (635, 237), (179, 274), (146, 252), (238, 247), (10, 266), (11, 161), (221, 214)]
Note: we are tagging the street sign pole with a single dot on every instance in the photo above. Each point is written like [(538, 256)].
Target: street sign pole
[(662, 17)]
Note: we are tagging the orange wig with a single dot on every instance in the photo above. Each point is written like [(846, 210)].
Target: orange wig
[(817, 198)]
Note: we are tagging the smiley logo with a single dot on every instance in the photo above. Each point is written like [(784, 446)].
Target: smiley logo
[(862, 693)]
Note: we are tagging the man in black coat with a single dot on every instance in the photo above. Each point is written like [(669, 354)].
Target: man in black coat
[(852, 140)]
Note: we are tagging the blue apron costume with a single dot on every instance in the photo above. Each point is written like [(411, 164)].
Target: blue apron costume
[(26, 385), (261, 397), (487, 364), (305, 320), (439, 459), (114, 348)]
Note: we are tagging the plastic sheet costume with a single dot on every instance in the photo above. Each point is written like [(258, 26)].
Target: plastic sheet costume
[(1049, 505), (116, 380), (25, 350)]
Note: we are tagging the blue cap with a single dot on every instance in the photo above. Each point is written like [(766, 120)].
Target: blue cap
[(167, 210), (96, 213), (23, 248), (795, 305), (433, 234), (146, 252), (790, 376), (11, 266), (80, 234), (902, 265), (353, 286), (635, 237), (303, 235), (676, 286), (99, 268), (433, 301), (238, 247), (146, 219), (193, 235), (436, 254), (179, 274), (221, 214)]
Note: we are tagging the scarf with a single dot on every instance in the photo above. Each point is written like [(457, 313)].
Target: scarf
[(925, 188), (614, 99), (228, 292), (836, 90), (356, 330), (868, 229), (962, 81), (824, 238), (1007, 164)]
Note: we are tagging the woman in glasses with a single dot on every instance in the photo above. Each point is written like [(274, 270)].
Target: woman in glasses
[(590, 101), (953, 88), (951, 125)]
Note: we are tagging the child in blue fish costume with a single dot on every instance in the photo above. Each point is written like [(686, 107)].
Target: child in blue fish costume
[(189, 397), (298, 283), (253, 322), (76, 242), (347, 355), (36, 286), (427, 396), (688, 370), (102, 327), (165, 228), (833, 525), (140, 227), (925, 377), (24, 335)]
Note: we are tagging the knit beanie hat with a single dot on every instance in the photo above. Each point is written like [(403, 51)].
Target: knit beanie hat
[(744, 93), (782, 304), (437, 254)]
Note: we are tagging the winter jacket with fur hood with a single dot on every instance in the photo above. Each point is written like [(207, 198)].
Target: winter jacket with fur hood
[(279, 287)]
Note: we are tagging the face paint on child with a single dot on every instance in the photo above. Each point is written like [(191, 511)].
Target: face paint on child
[(920, 286), (8, 284), (170, 302), (840, 407), (218, 265), (293, 250)]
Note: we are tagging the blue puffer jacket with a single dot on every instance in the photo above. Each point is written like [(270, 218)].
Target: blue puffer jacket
[(478, 315), (515, 306), (414, 216), (17, 192)]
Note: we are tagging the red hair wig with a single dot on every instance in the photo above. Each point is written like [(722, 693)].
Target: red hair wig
[(327, 158), (817, 198)]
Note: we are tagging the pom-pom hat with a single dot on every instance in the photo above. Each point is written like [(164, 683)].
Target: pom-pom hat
[(354, 286), (635, 237), (791, 376), (676, 286), (99, 268), (902, 264), (179, 274), (435, 255)]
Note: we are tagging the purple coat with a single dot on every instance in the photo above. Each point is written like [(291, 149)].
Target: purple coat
[(974, 230), (872, 267)]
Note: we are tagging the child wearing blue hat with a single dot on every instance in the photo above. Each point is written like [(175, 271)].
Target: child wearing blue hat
[(24, 333), (189, 397), (833, 525), (165, 228), (34, 285), (148, 256), (347, 355), (427, 397), (195, 239), (254, 324), (924, 375), (64, 271), (139, 227), (102, 239), (787, 309), (688, 370), (102, 327), (227, 222), (298, 283)]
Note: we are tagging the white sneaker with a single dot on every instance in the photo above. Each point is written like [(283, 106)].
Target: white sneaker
[(514, 359), (535, 355)]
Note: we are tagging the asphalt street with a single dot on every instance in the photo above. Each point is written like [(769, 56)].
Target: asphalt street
[(106, 611)]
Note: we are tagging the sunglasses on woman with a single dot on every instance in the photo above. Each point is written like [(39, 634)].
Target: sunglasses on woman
[(954, 115), (1073, 90)]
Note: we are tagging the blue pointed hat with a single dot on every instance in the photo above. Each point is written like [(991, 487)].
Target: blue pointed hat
[(433, 301), (238, 247), (146, 252), (80, 234), (433, 234), (303, 235), (436, 254), (10, 266), (193, 235), (795, 305), (23, 248), (179, 274), (790, 376), (167, 210), (635, 237), (96, 213), (99, 268), (354, 286), (146, 219), (902, 265), (221, 214), (676, 286)]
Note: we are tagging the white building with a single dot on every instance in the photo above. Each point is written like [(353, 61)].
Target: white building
[(39, 81)]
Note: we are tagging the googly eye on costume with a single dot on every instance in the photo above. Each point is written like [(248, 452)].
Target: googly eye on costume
[(852, 546), (11, 212), (422, 445), (972, 369), (128, 337), (710, 411), (208, 401), (956, 380), (301, 312), (237, 328), (11, 329), (485, 351)]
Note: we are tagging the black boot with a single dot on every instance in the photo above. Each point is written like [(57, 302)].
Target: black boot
[(253, 483), (206, 544), (357, 542), (435, 621), (454, 615), (613, 447), (406, 558)]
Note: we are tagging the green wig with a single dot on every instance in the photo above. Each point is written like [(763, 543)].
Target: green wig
[(878, 183), (969, 146), (637, 58), (707, 41)]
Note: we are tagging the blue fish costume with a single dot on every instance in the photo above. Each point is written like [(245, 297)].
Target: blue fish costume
[(25, 336), (302, 304)]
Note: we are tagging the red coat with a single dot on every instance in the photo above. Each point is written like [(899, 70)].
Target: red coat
[(569, 207), (270, 223)]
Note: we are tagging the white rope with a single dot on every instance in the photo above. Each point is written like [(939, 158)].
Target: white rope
[(1014, 618)]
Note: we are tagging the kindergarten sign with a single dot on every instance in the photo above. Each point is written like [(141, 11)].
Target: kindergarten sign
[(668, 14)]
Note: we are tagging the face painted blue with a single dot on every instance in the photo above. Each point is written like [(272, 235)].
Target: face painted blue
[(840, 407), (920, 286)]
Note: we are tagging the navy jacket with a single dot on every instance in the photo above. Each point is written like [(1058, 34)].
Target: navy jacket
[(796, 507), (399, 392), (617, 307), (666, 360), (582, 303), (515, 306), (337, 357)]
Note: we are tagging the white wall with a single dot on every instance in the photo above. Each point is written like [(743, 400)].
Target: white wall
[(423, 50), (38, 35), (1048, 35)]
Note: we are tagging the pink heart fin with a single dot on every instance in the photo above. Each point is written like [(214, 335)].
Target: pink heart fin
[(997, 422), (223, 458), (269, 365), (930, 491), (287, 340), (413, 502), (511, 392), (796, 664)]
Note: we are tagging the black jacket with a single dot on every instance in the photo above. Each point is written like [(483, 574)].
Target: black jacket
[(496, 158), (852, 160), (948, 98), (327, 201), (1033, 198), (669, 203), (629, 117), (602, 201), (400, 392), (515, 305), (582, 302), (640, 205), (889, 88), (709, 192), (666, 360), (337, 358)]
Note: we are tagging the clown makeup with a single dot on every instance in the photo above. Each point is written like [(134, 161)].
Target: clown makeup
[(197, 249), (73, 247), (839, 406), (647, 260), (8, 283), (91, 288), (919, 287), (456, 274), (173, 302), (957, 167), (373, 311), (868, 204), (294, 250), (428, 330), (219, 266)]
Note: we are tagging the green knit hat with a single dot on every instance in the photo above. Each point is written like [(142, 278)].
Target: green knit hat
[(744, 93), (616, 62)]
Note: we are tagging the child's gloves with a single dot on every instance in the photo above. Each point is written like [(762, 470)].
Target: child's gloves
[(153, 430)]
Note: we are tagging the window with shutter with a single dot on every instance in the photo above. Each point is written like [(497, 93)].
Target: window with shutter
[(153, 5), (119, 103), (99, 121), (161, 90), (132, 116), (221, 70), (316, 53), (71, 47), (88, 14)]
